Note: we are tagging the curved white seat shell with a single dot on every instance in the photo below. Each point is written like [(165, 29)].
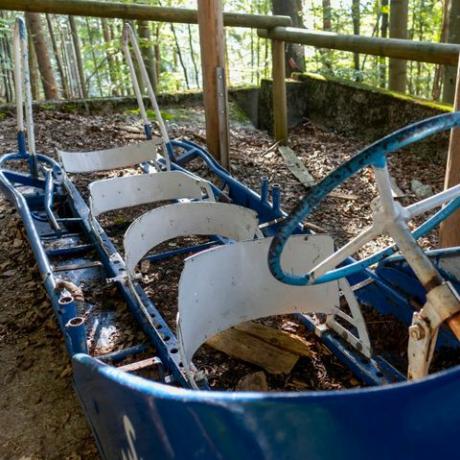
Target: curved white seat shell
[(227, 285), (183, 219), (124, 192), (102, 160)]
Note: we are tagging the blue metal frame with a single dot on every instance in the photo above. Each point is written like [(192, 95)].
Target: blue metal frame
[(374, 155), (224, 425)]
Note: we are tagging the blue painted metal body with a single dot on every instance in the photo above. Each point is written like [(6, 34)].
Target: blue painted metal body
[(133, 417), (401, 421)]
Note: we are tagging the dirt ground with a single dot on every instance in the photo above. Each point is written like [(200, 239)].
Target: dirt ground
[(40, 415)]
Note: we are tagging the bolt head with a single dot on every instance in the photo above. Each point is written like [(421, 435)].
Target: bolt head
[(416, 332)]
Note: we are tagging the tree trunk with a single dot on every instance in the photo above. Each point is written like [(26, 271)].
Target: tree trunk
[(125, 87), (57, 56), (453, 36), (43, 58), (5, 60), (356, 17), (192, 57), (179, 55), (148, 53), (78, 58), (33, 70), (440, 70), (399, 12), (327, 27), (327, 15), (94, 58), (157, 53), (109, 56), (4, 65), (383, 34), (295, 53)]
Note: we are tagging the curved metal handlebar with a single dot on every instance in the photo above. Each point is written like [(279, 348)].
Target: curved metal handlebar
[(374, 155), (129, 37), (22, 88)]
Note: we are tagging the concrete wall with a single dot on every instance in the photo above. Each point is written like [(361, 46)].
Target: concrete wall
[(349, 108), (353, 109)]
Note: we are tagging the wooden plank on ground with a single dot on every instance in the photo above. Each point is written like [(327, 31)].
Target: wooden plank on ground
[(296, 166), (281, 339), (298, 169), (240, 345)]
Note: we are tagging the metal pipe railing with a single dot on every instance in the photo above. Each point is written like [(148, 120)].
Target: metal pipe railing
[(129, 38)]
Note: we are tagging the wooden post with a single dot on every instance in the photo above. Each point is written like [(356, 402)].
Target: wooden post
[(450, 229), (280, 129), (212, 43)]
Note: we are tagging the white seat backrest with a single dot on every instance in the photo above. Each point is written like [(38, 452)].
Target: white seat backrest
[(230, 284), (123, 192), (104, 160), (183, 219)]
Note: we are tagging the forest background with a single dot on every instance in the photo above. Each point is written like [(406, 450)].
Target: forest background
[(73, 57)]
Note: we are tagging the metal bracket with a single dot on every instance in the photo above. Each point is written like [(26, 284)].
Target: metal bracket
[(442, 303), (359, 339)]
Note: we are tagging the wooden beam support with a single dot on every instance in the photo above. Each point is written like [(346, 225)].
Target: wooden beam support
[(449, 233), (436, 53), (139, 12), (212, 43), (280, 128)]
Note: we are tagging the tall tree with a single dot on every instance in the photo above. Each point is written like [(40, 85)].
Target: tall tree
[(384, 34), (78, 56), (157, 49), (148, 53), (33, 70), (327, 27), (327, 15), (192, 56), (57, 57), (34, 25), (295, 53), (96, 66), (5, 70), (453, 36), (5, 63), (107, 34), (399, 11), (440, 70), (356, 18), (179, 55)]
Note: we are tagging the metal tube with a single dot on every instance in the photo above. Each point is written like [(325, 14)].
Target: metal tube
[(49, 192), (17, 59), (32, 234), (119, 355), (276, 199), (67, 308), (130, 37), (264, 189), (436, 53), (76, 333)]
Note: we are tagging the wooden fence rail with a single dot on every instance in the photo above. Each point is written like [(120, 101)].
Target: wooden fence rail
[(436, 53), (139, 12)]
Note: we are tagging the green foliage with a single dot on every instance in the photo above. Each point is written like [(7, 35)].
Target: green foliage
[(248, 56)]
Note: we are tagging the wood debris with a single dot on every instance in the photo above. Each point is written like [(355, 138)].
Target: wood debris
[(240, 345), (296, 166), (256, 381), (274, 350), (281, 339)]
